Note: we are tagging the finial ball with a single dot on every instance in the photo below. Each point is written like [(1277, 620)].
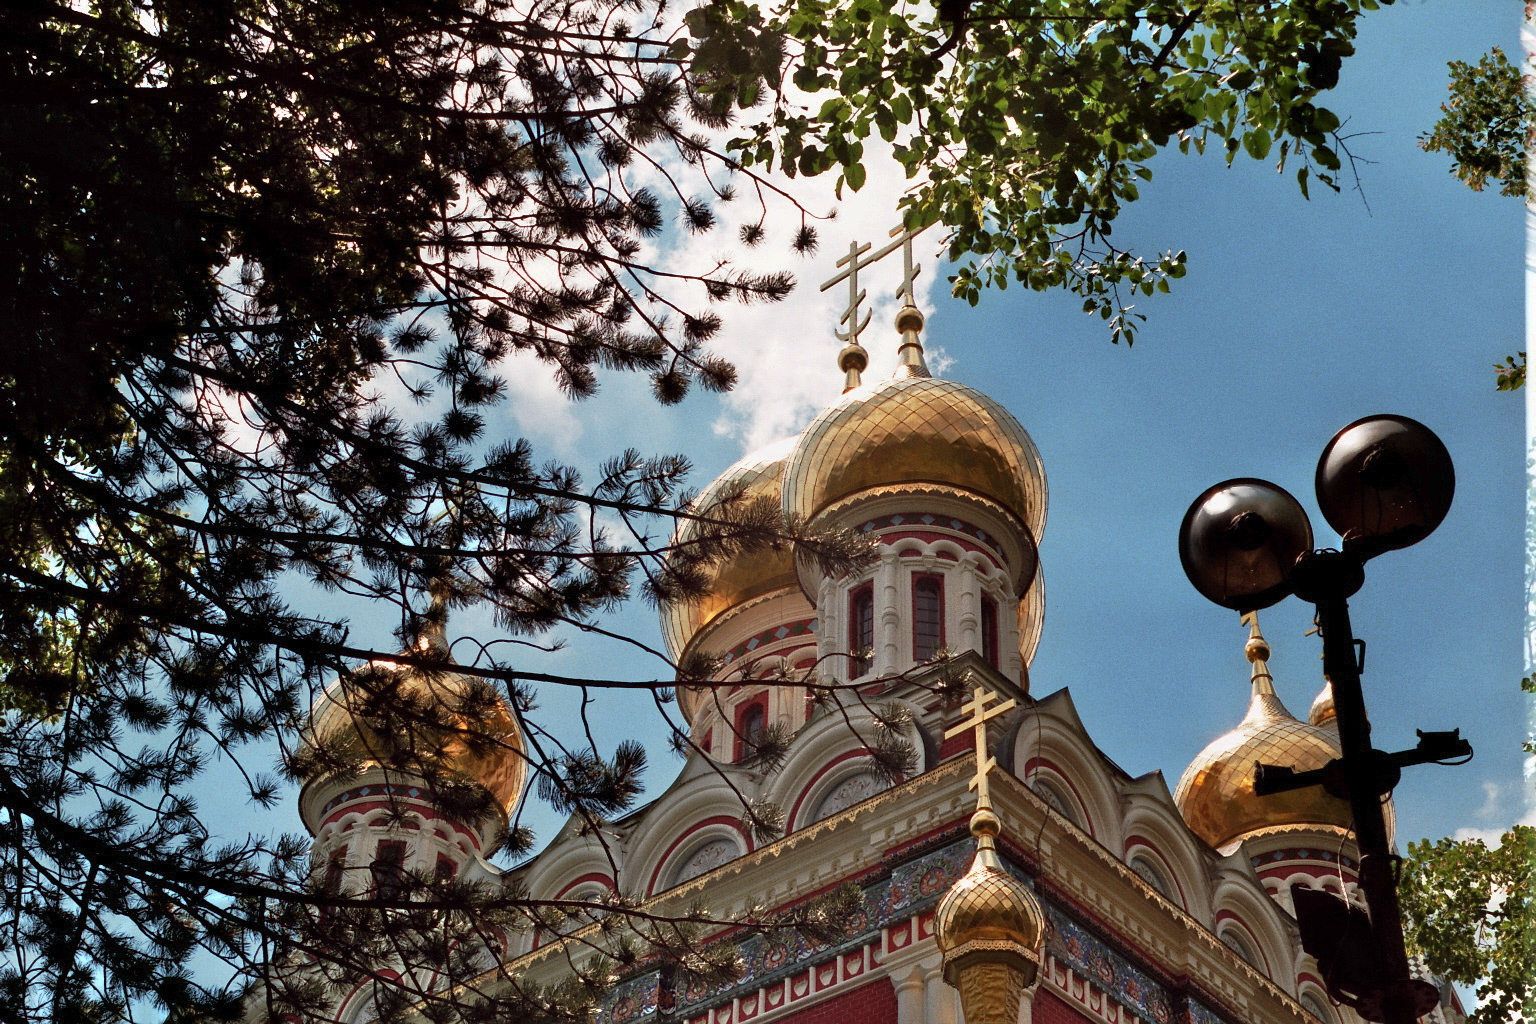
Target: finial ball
[(1257, 649), (985, 823), (853, 357), (909, 318)]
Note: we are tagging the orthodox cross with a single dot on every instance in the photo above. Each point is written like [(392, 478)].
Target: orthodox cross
[(980, 714), (856, 295)]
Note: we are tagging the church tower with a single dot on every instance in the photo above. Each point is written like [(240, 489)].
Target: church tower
[(948, 487), (416, 771), (1300, 837)]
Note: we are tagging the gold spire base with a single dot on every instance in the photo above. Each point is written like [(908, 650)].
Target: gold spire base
[(991, 977)]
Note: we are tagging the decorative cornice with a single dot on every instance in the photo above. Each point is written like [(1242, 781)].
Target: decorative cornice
[(932, 521)]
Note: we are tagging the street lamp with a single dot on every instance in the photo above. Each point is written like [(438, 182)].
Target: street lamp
[(1383, 482)]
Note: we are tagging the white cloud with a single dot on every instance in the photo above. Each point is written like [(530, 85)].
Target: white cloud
[(542, 413), (786, 356), (1492, 792), (1493, 807)]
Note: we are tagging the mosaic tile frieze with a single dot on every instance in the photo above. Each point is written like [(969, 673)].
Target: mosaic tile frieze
[(911, 889), (1200, 1014), (1092, 958), (1122, 981)]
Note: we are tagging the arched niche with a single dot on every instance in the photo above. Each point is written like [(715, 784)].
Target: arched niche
[(827, 752)]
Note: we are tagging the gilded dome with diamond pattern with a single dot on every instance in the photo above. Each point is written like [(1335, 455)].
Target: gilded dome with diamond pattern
[(740, 577), (1216, 795), (394, 715), (912, 429)]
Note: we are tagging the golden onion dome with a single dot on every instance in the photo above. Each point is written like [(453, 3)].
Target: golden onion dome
[(740, 577), (987, 905), (1215, 794), (1322, 712), (411, 720), (916, 429)]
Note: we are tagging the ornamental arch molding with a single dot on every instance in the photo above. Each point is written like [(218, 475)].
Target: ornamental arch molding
[(1050, 742), (702, 795), (827, 752), (1151, 821), (714, 843), (1239, 901), (577, 855)]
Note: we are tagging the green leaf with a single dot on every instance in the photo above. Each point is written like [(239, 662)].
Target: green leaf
[(1256, 143)]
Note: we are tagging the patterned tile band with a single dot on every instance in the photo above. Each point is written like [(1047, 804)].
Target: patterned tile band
[(920, 519), (911, 889), (804, 627), (1311, 853), (381, 789)]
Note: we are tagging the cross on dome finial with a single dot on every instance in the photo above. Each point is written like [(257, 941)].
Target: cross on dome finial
[(854, 358), (983, 823)]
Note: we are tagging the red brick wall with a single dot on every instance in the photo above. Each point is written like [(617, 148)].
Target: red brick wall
[(1049, 1008), (874, 1003)]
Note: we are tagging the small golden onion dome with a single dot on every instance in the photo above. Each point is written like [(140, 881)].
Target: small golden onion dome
[(917, 429), (1216, 795), (987, 903), (741, 577), (409, 719), (1322, 712), (989, 928)]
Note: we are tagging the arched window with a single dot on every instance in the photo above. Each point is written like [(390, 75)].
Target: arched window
[(388, 869), (1315, 1007), (1053, 796), (575, 917), (989, 631), (847, 793), (704, 858), (861, 629), (1150, 874), (927, 617), (1234, 940), (751, 720)]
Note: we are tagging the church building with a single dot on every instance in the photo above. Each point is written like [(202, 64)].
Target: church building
[(1003, 838)]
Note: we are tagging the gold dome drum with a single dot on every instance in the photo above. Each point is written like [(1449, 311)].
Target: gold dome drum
[(917, 430), (741, 577), (1216, 795)]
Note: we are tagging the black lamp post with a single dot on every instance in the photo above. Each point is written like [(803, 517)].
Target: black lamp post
[(1383, 482)]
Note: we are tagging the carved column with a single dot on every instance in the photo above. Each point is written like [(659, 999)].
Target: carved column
[(943, 1002), (967, 607), (831, 636), (910, 998), (889, 592)]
